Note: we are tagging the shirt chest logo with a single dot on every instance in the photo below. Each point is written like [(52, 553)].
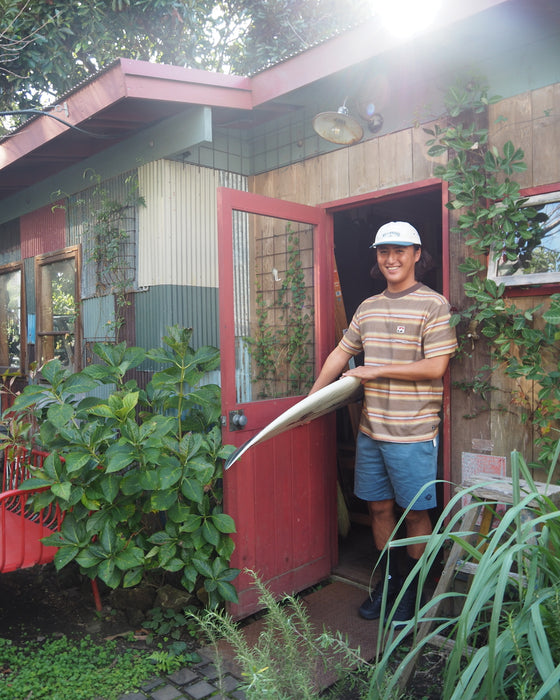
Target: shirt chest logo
[(401, 329)]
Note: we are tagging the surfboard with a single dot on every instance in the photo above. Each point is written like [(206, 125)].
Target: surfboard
[(335, 395)]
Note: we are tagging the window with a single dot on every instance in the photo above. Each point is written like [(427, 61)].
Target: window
[(538, 259), (11, 319), (57, 292)]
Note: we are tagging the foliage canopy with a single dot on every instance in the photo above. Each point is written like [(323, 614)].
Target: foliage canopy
[(49, 46)]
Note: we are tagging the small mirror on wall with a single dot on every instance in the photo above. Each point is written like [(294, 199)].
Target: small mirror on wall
[(537, 258)]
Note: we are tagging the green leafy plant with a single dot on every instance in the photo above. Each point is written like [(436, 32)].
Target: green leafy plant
[(168, 661), (166, 622), (504, 644), (284, 661), (138, 473), (68, 670), (489, 213)]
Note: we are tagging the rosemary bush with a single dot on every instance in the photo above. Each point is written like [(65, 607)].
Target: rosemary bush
[(284, 662)]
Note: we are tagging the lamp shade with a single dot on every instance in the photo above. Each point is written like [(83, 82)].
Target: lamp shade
[(338, 127)]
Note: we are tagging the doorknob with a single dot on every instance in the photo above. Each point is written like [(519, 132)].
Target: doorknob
[(237, 420)]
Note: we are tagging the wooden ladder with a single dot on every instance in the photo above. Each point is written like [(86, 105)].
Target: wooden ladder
[(489, 492)]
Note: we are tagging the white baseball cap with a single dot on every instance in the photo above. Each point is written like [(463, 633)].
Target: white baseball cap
[(397, 233)]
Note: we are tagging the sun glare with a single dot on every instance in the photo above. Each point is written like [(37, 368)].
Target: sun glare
[(404, 18)]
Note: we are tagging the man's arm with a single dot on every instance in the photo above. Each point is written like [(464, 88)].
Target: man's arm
[(426, 369), (331, 369)]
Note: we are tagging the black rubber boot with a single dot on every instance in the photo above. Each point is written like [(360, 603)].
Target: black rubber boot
[(370, 609), (407, 605)]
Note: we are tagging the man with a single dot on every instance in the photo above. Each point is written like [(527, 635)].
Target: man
[(407, 342)]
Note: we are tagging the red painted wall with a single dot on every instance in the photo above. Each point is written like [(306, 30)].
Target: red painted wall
[(43, 231)]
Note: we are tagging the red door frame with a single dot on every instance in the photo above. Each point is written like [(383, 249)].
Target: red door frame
[(282, 493), (431, 184)]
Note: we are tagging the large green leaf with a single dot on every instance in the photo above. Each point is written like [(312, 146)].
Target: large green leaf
[(132, 577), (193, 490), (129, 558), (64, 556), (163, 500), (227, 591), (210, 533), (223, 522), (78, 384), (119, 456), (108, 573), (62, 490), (60, 414), (89, 558), (169, 476), (76, 461)]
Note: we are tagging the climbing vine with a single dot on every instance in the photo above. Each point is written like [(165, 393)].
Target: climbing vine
[(492, 218), (110, 234), (282, 346)]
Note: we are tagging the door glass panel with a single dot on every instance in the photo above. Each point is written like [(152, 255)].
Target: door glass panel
[(274, 307), (10, 320), (57, 306)]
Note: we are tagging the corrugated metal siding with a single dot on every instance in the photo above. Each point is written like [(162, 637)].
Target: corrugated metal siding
[(81, 218), (177, 229), (189, 307), (98, 316), (10, 249), (43, 231)]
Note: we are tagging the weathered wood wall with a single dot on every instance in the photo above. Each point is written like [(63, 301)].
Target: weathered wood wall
[(377, 164)]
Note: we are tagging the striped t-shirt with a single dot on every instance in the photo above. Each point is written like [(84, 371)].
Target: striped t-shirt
[(399, 328)]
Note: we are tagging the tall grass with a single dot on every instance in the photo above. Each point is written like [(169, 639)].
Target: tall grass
[(506, 632)]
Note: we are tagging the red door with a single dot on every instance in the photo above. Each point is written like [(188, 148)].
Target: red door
[(276, 328)]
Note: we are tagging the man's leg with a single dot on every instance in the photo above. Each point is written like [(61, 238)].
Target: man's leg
[(418, 524), (383, 523)]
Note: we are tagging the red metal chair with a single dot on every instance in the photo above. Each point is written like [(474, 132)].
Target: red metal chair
[(21, 528)]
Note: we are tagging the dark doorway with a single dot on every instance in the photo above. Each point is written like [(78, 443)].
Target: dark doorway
[(354, 231)]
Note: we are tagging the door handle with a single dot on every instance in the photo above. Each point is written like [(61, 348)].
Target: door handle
[(237, 420)]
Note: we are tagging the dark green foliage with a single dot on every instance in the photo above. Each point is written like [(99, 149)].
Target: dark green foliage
[(138, 472), (49, 47)]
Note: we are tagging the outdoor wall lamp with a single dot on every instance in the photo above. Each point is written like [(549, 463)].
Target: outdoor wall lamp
[(338, 127)]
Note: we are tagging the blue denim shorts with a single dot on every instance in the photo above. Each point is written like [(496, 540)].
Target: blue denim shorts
[(396, 470)]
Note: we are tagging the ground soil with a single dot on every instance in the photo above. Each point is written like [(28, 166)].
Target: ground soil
[(39, 603)]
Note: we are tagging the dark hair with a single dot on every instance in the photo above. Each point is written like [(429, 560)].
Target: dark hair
[(421, 269)]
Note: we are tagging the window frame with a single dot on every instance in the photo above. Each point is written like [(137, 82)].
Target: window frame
[(7, 370), (41, 261), (514, 283)]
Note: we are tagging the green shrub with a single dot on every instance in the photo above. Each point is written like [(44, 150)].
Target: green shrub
[(138, 473)]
